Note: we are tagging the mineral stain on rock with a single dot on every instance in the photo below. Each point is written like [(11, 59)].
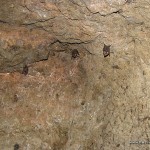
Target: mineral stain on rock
[(129, 1), (15, 98), (115, 67)]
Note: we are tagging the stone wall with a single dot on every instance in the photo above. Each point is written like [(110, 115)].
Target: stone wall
[(68, 101)]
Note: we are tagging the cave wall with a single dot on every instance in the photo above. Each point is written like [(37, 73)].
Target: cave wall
[(89, 102)]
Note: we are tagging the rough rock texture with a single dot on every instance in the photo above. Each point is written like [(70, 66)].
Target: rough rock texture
[(66, 103)]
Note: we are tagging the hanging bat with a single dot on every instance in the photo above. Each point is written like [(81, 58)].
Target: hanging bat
[(106, 50), (25, 70), (75, 53)]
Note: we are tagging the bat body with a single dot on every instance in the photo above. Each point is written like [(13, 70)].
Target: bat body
[(106, 50), (75, 53), (25, 70)]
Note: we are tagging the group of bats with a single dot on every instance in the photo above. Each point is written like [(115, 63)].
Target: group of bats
[(75, 54)]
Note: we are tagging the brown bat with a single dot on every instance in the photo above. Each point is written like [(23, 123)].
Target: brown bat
[(106, 50), (25, 70), (75, 53), (16, 146)]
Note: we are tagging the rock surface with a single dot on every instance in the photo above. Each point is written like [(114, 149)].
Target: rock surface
[(74, 103)]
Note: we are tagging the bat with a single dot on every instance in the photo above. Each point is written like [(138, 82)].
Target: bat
[(25, 70), (106, 50), (75, 53)]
